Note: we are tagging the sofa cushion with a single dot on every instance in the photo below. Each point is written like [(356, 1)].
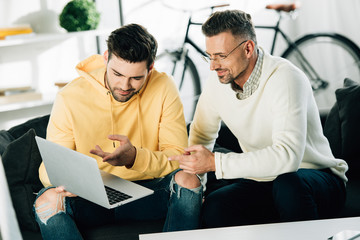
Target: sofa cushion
[(342, 127), (5, 139), (21, 161), (226, 141), (332, 131), (39, 124)]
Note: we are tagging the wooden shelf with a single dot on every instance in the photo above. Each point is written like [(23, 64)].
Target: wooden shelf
[(45, 37), (20, 97), (25, 101), (3, 91), (34, 100)]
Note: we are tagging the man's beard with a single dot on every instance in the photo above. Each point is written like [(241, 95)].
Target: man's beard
[(120, 98), (229, 79)]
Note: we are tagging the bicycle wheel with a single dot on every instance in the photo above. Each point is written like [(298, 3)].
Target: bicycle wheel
[(186, 78), (327, 59)]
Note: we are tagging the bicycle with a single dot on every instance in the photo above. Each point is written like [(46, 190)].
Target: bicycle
[(308, 51), (169, 60), (305, 52)]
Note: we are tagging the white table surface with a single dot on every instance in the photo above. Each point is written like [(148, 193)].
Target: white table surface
[(9, 228), (305, 230)]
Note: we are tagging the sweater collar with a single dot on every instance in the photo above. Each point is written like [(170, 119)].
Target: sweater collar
[(253, 82)]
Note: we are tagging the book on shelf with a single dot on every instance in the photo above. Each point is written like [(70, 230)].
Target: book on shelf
[(18, 94), (7, 32)]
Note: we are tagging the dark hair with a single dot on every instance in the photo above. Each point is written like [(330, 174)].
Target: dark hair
[(132, 43), (237, 22)]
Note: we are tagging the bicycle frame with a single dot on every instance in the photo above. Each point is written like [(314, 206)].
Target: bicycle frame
[(183, 52), (189, 41), (309, 70), (190, 22), (306, 65), (297, 50)]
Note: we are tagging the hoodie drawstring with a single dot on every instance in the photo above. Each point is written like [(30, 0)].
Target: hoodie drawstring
[(111, 116), (139, 121)]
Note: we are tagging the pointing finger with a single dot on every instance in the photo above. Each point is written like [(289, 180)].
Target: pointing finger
[(194, 148), (98, 151), (177, 158)]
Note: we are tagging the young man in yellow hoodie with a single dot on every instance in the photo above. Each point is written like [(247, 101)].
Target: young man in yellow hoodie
[(128, 116)]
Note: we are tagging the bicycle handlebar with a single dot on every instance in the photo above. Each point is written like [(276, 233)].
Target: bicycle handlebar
[(194, 10), (221, 5), (283, 7)]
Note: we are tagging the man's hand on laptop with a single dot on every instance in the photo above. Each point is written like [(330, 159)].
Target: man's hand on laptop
[(63, 192), (124, 155)]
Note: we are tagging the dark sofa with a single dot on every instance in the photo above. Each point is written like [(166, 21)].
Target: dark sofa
[(21, 160)]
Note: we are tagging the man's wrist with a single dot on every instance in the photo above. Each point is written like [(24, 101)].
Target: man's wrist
[(213, 166), (130, 165)]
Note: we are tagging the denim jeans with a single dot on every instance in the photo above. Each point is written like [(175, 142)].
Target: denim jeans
[(180, 207)]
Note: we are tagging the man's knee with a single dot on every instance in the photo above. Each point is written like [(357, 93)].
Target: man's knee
[(293, 198), (49, 204), (289, 183), (187, 180)]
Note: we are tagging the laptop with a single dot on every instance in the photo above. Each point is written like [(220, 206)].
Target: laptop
[(80, 175)]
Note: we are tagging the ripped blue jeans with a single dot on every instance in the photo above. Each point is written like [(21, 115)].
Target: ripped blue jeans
[(180, 207)]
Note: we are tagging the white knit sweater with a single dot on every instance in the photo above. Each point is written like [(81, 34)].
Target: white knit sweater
[(278, 126)]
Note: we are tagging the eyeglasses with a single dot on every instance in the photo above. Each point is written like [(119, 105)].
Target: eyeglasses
[(220, 57)]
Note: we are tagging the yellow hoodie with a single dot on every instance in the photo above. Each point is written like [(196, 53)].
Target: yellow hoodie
[(85, 113)]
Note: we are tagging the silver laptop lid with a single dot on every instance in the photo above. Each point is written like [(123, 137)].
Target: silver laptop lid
[(78, 173)]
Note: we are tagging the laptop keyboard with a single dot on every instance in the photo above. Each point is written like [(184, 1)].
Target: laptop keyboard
[(115, 196)]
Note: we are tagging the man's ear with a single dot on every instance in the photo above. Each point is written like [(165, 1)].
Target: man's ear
[(151, 67), (106, 56), (250, 47)]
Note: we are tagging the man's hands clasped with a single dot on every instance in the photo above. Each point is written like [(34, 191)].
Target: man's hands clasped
[(196, 160), (124, 155)]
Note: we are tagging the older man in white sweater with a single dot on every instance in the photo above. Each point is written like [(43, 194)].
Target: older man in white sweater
[(287, 171)]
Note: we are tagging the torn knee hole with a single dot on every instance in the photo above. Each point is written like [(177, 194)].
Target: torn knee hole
[(46, 208), (186, 180)]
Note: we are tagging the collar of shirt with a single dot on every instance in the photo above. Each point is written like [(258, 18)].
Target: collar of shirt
[(252, 83)]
